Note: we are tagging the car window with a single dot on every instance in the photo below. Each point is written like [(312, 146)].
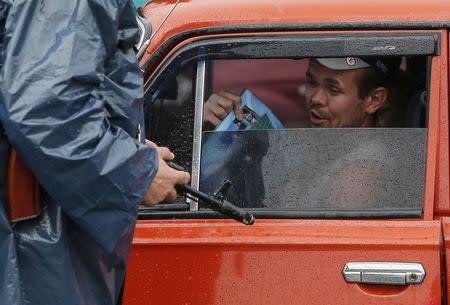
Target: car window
[(317, 168), (169, 115), (276, 164)]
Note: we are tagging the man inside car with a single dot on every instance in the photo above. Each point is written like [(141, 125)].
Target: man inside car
[(340, 92)]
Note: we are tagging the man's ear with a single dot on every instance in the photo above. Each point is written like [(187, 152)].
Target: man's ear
[(375, 100)]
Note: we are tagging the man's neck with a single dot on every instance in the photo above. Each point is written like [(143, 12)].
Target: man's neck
[(369, 122)]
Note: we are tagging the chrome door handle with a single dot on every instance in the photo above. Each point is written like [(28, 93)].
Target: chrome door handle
[(387, 273)]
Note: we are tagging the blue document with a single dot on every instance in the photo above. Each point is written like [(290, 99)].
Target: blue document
[(221, 146), (256, 116)]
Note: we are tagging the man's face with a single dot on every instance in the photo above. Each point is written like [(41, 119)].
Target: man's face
[(332, 98)]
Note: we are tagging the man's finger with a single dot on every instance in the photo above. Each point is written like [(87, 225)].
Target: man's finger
[(211, 118), (183, 177), (224, 101), (219, 111), (150, 144), (165, 153), (236, 104), (171, 196)]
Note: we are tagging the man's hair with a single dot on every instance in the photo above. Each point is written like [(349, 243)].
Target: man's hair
[(395, 82), (383, 72)]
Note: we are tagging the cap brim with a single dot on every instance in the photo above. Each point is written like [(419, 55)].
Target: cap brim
[(343, 63)]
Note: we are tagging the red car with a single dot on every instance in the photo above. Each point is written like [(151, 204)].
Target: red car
[(343, 215)]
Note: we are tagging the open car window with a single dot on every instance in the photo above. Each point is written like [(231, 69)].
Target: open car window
[(277, 165)]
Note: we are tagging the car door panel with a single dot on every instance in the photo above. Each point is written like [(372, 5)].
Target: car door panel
[(277, 262)]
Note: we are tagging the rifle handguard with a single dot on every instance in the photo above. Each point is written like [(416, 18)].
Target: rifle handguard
[(222, 206)]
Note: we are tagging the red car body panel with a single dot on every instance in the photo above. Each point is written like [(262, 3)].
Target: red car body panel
[(200, 14), (275, 262)]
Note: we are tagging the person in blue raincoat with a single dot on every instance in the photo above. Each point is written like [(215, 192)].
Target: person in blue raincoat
[(70, 90)]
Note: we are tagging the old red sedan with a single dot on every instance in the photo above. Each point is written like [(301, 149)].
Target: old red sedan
[(343, 215)]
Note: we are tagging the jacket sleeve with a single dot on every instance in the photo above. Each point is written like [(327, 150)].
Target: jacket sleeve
[(69, 102)]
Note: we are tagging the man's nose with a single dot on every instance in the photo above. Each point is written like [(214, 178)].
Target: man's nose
[(318, 96)]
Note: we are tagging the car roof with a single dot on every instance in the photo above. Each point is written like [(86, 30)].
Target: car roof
[(287, 15), (254, 11)]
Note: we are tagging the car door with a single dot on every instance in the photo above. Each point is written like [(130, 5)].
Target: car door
[(343, 216)]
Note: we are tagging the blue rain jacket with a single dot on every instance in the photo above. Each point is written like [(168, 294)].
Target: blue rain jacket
[(70, 104), (140, 3)]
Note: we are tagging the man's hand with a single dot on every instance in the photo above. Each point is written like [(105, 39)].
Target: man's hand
[(219, 105), (163, 184)]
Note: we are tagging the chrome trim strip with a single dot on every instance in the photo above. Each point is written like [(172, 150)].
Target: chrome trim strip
[(198, 125)]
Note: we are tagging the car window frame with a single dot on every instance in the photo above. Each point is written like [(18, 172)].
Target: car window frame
[(364, 43)]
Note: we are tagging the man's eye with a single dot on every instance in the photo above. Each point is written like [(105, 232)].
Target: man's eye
[(335, 91), (311, 82)]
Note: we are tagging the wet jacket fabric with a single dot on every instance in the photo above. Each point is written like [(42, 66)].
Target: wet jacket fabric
[(70, 104)]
